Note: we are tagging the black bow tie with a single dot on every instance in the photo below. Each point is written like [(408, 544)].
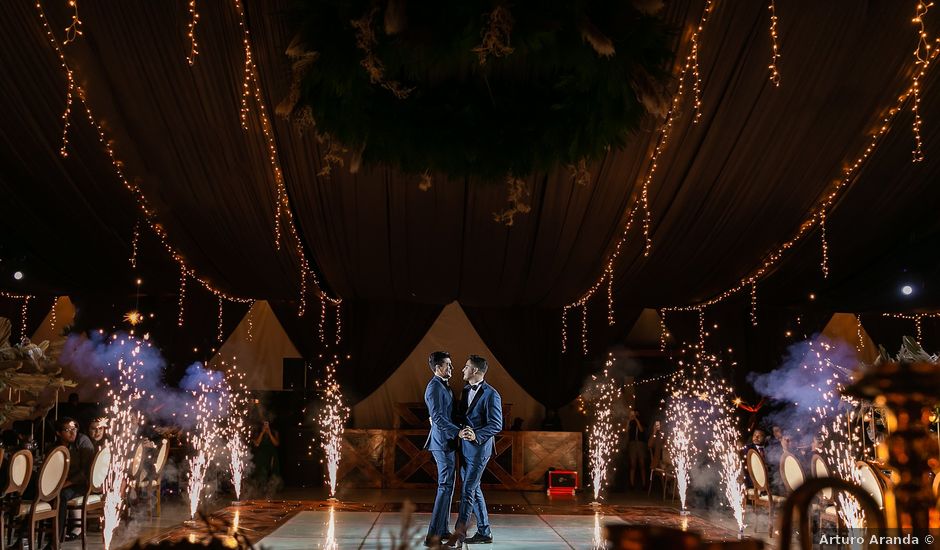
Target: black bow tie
[(474, 387)]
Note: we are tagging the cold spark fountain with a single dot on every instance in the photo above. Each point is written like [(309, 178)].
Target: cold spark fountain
[(332, 420), (236, 428), (604, 433), (204, 438), (124, 420)]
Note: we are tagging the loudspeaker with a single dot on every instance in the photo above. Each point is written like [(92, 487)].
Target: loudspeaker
[(294, 374)]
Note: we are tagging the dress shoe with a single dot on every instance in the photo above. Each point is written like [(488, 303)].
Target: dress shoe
[(479, 539), (436, 541)]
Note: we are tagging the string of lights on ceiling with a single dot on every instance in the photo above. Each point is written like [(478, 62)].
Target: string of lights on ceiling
[(690, 67), (775, 50), (924, 54), (916, 317), (148, 213), (818, 216), (251, 89)]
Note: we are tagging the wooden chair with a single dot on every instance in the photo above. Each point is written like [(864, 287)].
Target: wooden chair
[(791, 471), (93, 499), (871, 482), (19, 470), (150, 481), (52, 476), (761, 493), (828, 511)]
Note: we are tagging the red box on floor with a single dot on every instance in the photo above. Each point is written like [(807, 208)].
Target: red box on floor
[(562, 482)]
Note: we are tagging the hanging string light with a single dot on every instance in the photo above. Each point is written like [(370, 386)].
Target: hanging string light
[(74, 30), (182, 296), (69, 77), (134, 243), (219, 333), (24, 315), (701, 328), (55, 302), (611, 321), (858, 333), (149, 215), (339, 320), (818, 215), (191, 33), (923, 58), (824, 264), (251, 88), (690, 67), (663, 334), (916, 317), (564, 329), (754, 303), (775, 51), (251, 322), (584, 328)]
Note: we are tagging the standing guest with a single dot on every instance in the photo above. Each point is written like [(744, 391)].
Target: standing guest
[(482, 409), (266, 459), (81, 454), (98, 432), (442, 442), (636, 449), (656, 444)]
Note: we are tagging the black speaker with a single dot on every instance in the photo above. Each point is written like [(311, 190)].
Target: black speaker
[(295, 374)]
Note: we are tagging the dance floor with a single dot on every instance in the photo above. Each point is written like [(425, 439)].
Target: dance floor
[(366, 520)]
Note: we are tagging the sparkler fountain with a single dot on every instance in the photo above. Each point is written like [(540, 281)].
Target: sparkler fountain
[(236, 428), (124, 423), (332, 420), (604, 433), (204, 438)]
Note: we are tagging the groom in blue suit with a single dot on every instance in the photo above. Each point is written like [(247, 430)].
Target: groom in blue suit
[(442, 442), (481, 414)]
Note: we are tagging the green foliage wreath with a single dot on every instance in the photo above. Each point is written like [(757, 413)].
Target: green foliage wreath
[(473, 87)]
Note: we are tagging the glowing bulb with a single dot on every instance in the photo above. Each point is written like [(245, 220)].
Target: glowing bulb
[(906, 290), (812, 296), (18, 275)]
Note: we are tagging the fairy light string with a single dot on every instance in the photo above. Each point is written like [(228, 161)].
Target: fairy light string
[(52, 320), (251, 89), (775, 49), (191, 33), (819, 214), (916, 317), (149, 214), (689, 67), (24, 316), (922, 59), (74, 30)]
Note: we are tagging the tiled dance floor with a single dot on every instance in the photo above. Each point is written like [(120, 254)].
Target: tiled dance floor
[(368, 524)]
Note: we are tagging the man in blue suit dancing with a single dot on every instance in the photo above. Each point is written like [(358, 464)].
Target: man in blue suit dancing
[(442, 442), (482, 417)]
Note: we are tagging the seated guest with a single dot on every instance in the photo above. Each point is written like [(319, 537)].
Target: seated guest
[(98, 432), (81, 454), (757, 443), (773, 453)]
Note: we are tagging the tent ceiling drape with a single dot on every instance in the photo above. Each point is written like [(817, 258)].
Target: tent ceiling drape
[(729, 188)]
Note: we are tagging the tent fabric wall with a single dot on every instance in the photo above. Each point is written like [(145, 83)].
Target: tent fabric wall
[(259, 346), (452, 332), (844, 327)]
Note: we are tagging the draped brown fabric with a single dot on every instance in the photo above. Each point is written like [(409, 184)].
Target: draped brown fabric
[(729, 188)]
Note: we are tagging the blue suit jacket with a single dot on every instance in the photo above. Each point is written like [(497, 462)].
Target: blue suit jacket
[(485, 416), (440, 403)]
